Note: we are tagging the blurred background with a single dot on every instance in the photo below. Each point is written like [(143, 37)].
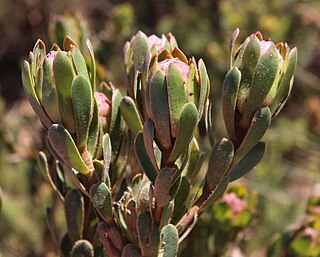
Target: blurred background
[(290, 172)]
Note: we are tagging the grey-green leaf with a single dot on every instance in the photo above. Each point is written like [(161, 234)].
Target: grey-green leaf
[(229, 99), (169, 241), (82, 100), (219, 162), (49, 93), (63, 75), (28, 85), (74, 213), (187, 124), (130, 114), (248, 162), (257, 129), (107, 155), (101, 199), (285, 85), (63, 144), (177, 96), (144, 159)]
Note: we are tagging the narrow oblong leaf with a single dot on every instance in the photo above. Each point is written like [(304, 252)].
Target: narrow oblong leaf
[(44, 168), (117, 124), (162, 186), (80, 63), (139, 50), (219, 162), (230, 90), (49, 94), (82, 101), (148, 235), (82, 248), (130, 114), (148, 137), (101, 199), (231, 46), (64, 146), (28, 85), (157, 97), (177, 96), (285, 85), (204, 87), (248, 162), (169, 241), (144, 159), (217, 193), (107, 156), (74, 213), (187, 124), (93, 134), (166, 214), (92, 65), (259, 125), (63, 76), (182, 194)]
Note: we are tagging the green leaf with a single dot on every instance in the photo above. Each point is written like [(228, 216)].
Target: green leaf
[(231, 46), (148, 235), (182, 194), (107, 156), (204, 87), (82, 248), (117, 124), (92, 65), (248, 162), (217, 193), (80, 63), (162, 186), (229, 100), (177, 96), (101, 200), (187, 124), (63, 76), (64, 146), (249, 60), (93, 134), (130, 114), (28, 85), (144, 159), (169, 241), (157, 97), (166, 214), (219, 162), (44, 168), (49, 94), (82, 101), (131, 250), (148, 136), (259, 126), (74, 213), (265, 76), (139, 50), (286, 83)]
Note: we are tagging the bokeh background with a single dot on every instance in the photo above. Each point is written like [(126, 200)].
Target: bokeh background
[(290, 171)]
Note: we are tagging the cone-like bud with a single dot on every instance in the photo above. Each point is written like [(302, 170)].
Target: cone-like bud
[(260, 76)]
